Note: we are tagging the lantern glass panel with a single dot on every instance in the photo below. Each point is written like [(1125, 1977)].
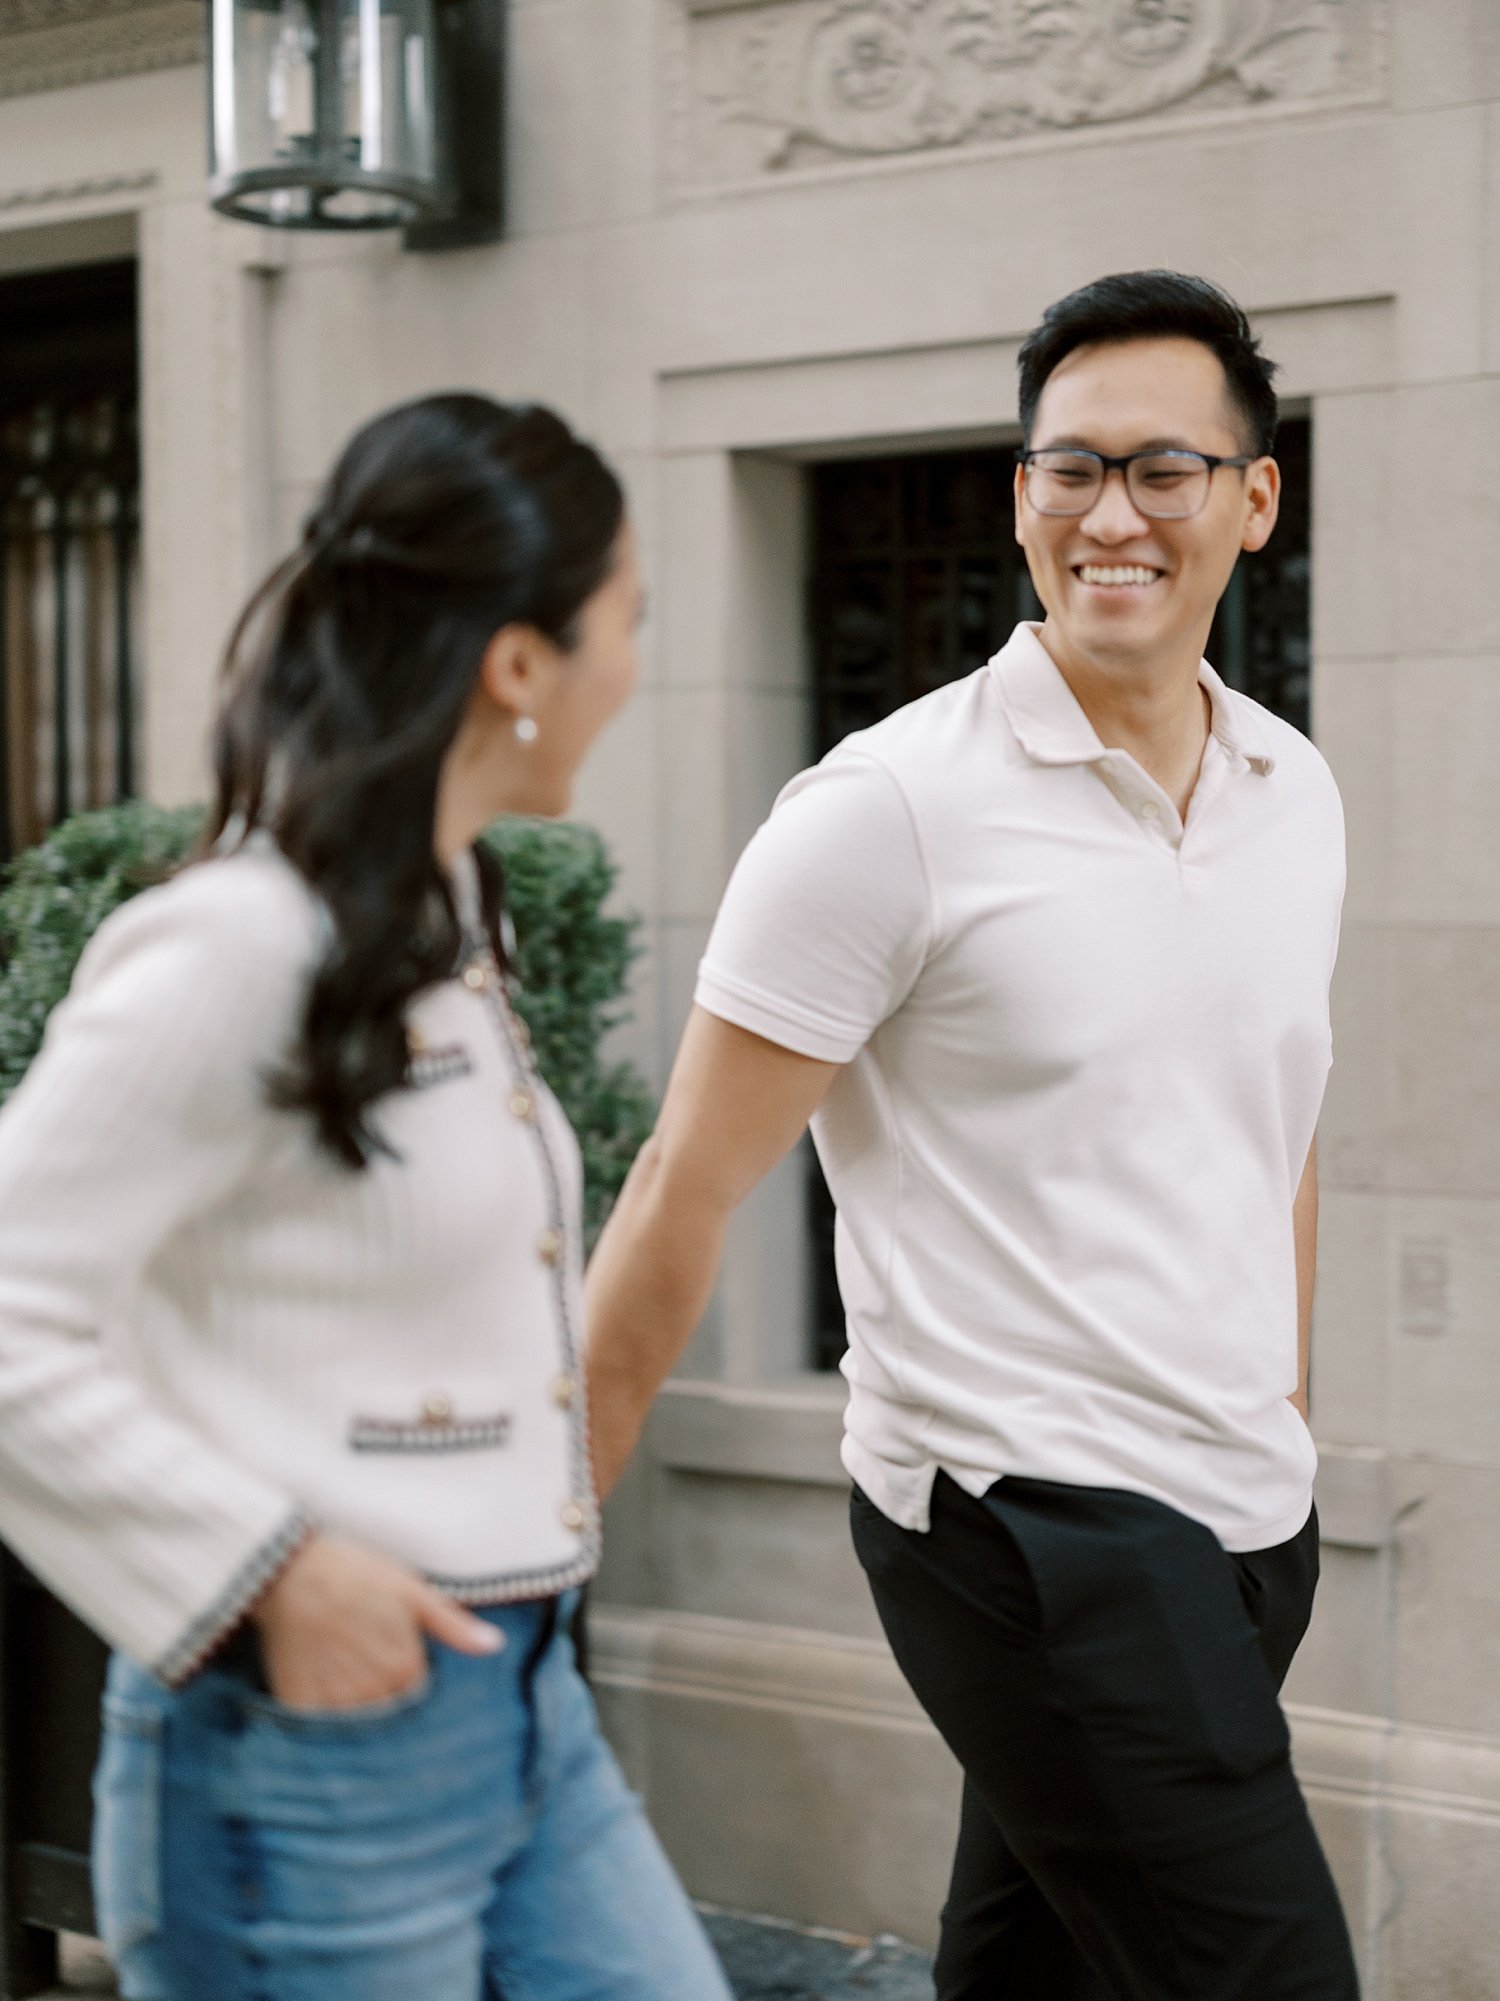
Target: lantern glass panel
[(322, 112)]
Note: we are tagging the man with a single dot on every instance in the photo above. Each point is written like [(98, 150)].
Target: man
[(1047, 953)]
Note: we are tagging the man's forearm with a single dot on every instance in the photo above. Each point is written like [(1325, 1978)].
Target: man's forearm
[(648, 1284), (735, 1104)]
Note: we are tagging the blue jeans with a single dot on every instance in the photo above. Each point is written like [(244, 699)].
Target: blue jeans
[(471, 1841)]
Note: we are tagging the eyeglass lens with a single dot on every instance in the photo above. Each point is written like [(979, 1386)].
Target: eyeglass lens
[(1166, 486)]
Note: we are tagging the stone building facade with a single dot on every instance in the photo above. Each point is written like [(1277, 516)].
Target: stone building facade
[(751, 237)]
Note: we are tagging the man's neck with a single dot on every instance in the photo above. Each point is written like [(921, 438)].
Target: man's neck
[(1160, 715)]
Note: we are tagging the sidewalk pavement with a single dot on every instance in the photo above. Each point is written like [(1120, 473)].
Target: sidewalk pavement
[(765, 1959)]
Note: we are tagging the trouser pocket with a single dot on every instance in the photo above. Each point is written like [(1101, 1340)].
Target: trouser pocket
[(1148, 1642)]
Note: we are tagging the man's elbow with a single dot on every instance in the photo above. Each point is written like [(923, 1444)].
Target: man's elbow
[(684, 1187)]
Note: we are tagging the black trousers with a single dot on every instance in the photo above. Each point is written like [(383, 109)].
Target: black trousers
[(1108, 1678)]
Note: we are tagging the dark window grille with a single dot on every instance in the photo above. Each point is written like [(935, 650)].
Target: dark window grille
[(917, 579), (69, 546)]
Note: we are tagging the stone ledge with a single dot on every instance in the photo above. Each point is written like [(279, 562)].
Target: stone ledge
[(792, 1432), (740, 1660), (54, 44), (774, 1433), (1410, 1768)]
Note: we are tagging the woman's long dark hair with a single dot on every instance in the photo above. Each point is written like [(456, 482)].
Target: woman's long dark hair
[(348, 677)]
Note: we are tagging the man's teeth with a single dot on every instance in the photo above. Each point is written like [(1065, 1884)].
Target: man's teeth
[(1117, 573)]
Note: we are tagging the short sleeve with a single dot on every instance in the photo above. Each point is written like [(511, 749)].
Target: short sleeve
[(827, 919)]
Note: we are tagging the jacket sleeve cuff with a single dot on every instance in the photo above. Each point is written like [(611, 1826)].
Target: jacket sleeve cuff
[(193, 1647)]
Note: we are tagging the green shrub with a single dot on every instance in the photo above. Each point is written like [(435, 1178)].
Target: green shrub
[(572, 959)]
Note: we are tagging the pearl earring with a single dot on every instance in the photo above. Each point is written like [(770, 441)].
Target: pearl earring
[(526, 729)]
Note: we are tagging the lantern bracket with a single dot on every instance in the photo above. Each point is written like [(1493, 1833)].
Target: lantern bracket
[(470, 51)]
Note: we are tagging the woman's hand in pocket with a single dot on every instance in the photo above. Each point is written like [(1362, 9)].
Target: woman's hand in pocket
[(343, 1626)]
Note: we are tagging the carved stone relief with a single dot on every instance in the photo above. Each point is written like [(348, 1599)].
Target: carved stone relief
[(49, 44), (776, 84)]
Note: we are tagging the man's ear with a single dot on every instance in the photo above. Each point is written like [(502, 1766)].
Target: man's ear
[(1263, 503), (1020, 490)]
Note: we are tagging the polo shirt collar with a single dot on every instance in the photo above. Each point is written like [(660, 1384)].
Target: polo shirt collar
[(1052, 728)]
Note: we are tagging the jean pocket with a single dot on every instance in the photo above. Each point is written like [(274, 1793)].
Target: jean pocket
[(127, 1825), (341, 1723)]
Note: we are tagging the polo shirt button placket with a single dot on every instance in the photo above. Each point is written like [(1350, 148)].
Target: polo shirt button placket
[(1156, 820)]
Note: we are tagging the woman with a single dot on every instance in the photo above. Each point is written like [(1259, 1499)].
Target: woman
[(289, 1249)]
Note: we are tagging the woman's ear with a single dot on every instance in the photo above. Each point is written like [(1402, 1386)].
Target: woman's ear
[(510, 671)]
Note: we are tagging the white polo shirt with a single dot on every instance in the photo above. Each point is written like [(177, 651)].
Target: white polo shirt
[(1085, 1048)]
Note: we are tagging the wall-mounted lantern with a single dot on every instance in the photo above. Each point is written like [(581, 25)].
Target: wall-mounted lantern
[(358, 114)]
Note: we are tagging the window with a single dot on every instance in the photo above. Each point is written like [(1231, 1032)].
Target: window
[(69, 546), (917, 579)]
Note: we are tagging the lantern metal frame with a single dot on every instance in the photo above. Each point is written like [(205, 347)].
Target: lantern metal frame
[(463, 205), (470, 61)]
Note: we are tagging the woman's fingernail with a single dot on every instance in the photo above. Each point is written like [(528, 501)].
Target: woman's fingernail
[(489, 1637)]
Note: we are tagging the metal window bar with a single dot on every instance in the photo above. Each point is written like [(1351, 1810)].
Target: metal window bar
[(916, 580)]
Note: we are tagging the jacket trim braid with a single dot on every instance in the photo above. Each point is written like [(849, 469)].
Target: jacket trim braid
[(457, 1434), (512, 1588), (188, 1653), (517, 1044)]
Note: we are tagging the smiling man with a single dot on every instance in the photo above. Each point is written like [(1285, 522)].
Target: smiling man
[(1045, 957)]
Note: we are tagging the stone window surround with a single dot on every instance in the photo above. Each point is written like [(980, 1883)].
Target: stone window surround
[(207, 531), (745, 431)]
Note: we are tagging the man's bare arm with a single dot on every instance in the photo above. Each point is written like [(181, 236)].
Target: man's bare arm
[(735, 1104), (1305, 1235)]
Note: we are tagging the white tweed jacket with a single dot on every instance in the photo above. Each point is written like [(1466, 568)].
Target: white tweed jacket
[(212, 1335)]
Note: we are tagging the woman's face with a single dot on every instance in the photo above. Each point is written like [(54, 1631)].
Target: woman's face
[(577, 692)]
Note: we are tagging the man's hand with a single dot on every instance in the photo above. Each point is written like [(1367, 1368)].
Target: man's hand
[(343, 1626), (735, 1104)]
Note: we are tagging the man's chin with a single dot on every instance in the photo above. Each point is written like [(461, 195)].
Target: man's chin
[(1114, 629)]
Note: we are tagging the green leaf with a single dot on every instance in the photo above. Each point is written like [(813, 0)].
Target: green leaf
[(573, 960)]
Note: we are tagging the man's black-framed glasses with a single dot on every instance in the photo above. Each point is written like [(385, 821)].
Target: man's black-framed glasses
[(1163, 485)]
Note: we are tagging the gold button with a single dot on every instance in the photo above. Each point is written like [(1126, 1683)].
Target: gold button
[(437, 1409), (476, 978), (549, 1246), (564, 1390), (521, 1105), (416, 1042), (573, 1516)]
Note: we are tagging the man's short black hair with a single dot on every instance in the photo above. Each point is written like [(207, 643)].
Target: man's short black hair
[(1155, 305)]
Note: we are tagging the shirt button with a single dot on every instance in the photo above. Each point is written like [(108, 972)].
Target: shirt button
[(521, 1104), (476, 978), (564, 1390), (549, 1246), (437, 1408), (1149, 810), (573, 1516)]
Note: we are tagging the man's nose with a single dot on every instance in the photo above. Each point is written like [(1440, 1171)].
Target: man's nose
[(1114, 516)]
